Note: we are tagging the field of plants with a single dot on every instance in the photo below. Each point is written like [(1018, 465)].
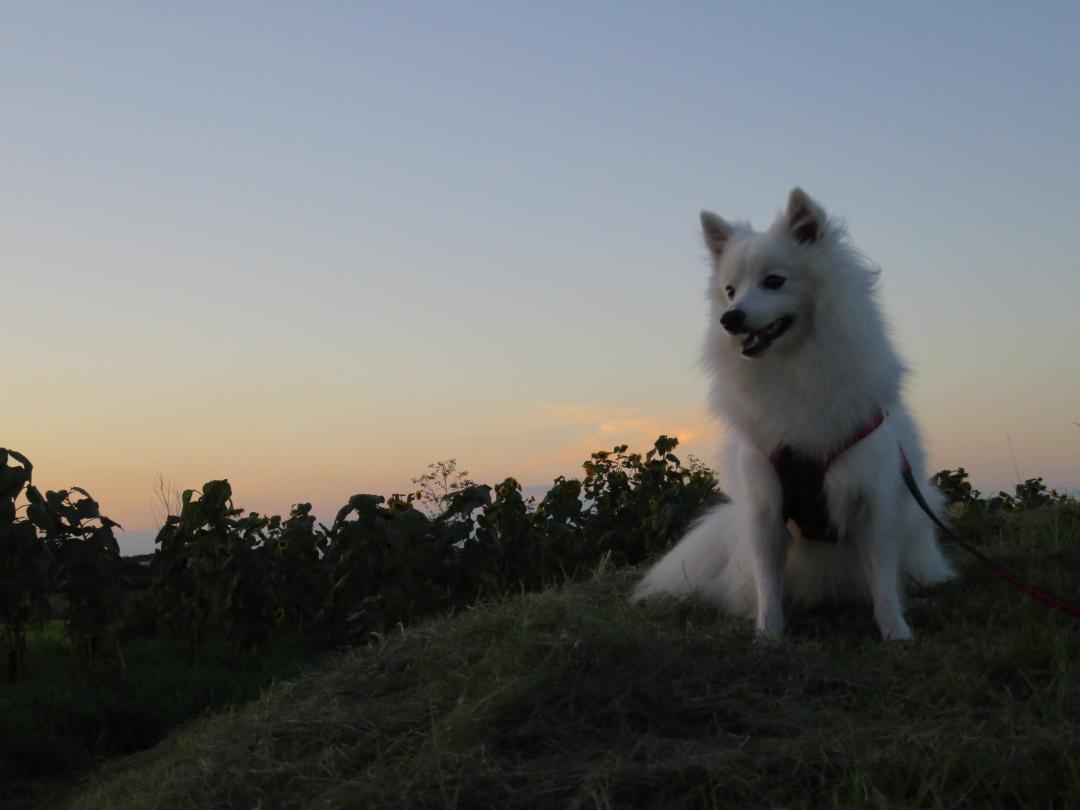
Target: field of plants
[(105, 655)]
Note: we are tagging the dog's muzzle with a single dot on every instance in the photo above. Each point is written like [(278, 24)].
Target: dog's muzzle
[(755, 343)]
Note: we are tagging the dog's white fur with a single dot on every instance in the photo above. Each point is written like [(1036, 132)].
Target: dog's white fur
[(811, 389)]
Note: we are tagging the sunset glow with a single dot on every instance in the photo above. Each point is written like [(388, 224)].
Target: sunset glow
[(313, 248)]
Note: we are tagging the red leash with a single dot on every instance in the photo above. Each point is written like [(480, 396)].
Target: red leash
[(1057, 603)]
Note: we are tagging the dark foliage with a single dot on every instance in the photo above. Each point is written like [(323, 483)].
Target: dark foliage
[(219, 572)]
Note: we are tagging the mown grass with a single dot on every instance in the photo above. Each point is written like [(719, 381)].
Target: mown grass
[(575, 698)]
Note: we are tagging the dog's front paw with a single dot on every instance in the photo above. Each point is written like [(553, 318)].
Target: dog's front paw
[(896, 631), (770, 626), (763, 639)]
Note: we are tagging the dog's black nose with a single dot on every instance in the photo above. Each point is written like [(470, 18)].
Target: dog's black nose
[(733, 320)]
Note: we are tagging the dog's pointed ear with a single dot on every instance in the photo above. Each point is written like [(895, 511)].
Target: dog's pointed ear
[(716, 233), (804, 218)]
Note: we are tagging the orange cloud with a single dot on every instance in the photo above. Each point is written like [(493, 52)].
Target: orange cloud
[(575, 430)]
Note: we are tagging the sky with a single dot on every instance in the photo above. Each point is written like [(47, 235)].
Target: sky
[(313, 247)]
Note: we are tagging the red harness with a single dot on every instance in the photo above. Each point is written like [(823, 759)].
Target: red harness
[(802, 479)]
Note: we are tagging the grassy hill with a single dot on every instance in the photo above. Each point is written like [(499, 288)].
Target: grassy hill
[(575, 698)]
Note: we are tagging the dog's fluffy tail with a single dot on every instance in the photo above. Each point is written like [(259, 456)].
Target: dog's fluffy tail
[(695, 561), (706, 561)]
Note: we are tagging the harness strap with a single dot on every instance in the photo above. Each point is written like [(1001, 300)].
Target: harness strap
[(802, 482), (854, 439), (1056, 602)]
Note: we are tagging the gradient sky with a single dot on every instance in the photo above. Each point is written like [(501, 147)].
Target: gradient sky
[(313, 247)]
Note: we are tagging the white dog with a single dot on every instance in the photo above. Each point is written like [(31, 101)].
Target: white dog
[(806, 377)]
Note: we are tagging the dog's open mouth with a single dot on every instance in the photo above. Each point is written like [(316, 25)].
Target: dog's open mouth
[(757, 342)]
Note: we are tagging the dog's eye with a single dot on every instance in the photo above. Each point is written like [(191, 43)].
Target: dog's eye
[(730, 291), (773, 282)]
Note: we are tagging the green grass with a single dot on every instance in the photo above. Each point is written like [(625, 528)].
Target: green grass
[(64, 717), (573, 698)]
